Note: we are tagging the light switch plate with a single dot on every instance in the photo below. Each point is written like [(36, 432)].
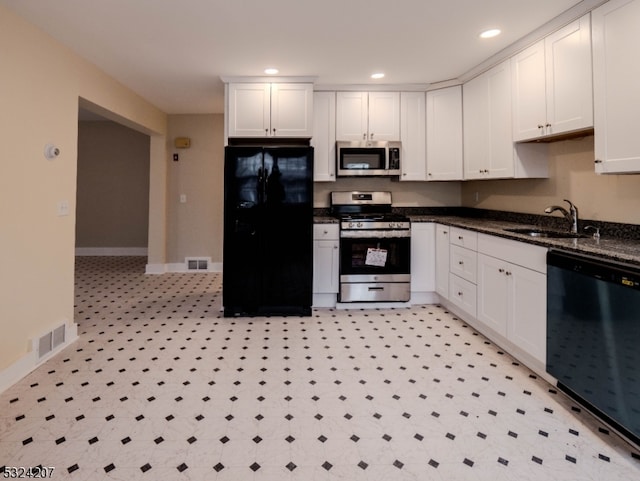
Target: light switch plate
[(63, 208)]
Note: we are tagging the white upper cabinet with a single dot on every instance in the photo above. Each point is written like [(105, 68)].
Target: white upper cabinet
[(368, 116), (616, 67), (270, 109), (489, 151), (412, 135), (324, 136), (551, 81), (488, 148), (444, 134)]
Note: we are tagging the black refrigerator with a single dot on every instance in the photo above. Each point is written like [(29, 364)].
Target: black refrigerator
[(268, 231)]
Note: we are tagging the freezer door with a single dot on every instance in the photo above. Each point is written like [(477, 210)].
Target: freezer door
[(243, 193)]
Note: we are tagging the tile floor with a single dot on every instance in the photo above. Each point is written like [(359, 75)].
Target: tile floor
[(160, 386)]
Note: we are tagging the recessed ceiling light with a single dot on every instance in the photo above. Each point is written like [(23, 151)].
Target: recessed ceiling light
[(377, 75), (490, 33), (271, 71)]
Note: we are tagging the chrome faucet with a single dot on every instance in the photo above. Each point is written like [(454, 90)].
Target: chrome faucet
[(571, 215)]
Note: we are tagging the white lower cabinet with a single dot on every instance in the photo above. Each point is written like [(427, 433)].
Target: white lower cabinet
[(326, 258), (423, 253), (512, 292), (499, 286)]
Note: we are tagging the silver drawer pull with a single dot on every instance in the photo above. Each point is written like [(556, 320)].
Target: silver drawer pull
[(376, 288)]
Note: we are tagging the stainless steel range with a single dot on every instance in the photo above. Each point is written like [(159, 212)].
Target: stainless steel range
[(375, 248)]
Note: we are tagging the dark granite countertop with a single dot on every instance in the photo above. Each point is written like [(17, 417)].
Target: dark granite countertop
[(326, 219), (612, 248)]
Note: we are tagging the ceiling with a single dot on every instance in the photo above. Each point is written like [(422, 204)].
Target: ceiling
[(173, 52)]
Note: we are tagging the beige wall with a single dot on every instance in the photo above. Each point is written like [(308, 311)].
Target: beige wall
[(40, 87), (613, 198), (195, 227), (113, 186)]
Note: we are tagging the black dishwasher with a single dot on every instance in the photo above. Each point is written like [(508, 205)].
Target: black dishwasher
[(593, 336)]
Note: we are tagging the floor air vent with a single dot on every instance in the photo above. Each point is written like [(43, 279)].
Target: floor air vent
[(51, 340), (197, 263)]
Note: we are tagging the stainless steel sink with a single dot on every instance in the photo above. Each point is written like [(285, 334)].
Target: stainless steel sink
[(533, 232)]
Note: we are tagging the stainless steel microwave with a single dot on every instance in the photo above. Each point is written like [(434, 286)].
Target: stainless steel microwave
[(368, 158)]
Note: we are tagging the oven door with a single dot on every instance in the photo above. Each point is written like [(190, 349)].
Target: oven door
[(374, 257), (375, 268)]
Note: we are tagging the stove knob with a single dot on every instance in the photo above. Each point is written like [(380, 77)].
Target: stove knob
[(359, 224)]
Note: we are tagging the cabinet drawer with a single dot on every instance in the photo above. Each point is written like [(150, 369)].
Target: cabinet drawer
[(464, 238), (463, 294), (464, 263), (519, 253), (325, 231)]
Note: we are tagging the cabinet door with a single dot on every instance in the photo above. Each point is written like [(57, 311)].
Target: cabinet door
[(493, 292), (475, 105), (324, 136), (423, 253), (616, 70), (249, 109), (325, 266), (529, 93), (528, 311), (501, 153), (291, 110), (351, 115), (384, 116), (444, 134), (569, 78), (442, 260), (412, 135)]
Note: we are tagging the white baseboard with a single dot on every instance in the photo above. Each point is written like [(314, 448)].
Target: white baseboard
[(27, 363), (180, 267), (324, 300), (111, 251), (421, 298)]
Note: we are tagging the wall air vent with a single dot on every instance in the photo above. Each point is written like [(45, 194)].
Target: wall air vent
[(197, 263), (50, 341)]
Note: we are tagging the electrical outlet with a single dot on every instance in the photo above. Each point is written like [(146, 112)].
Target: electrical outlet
[(183, 198)]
